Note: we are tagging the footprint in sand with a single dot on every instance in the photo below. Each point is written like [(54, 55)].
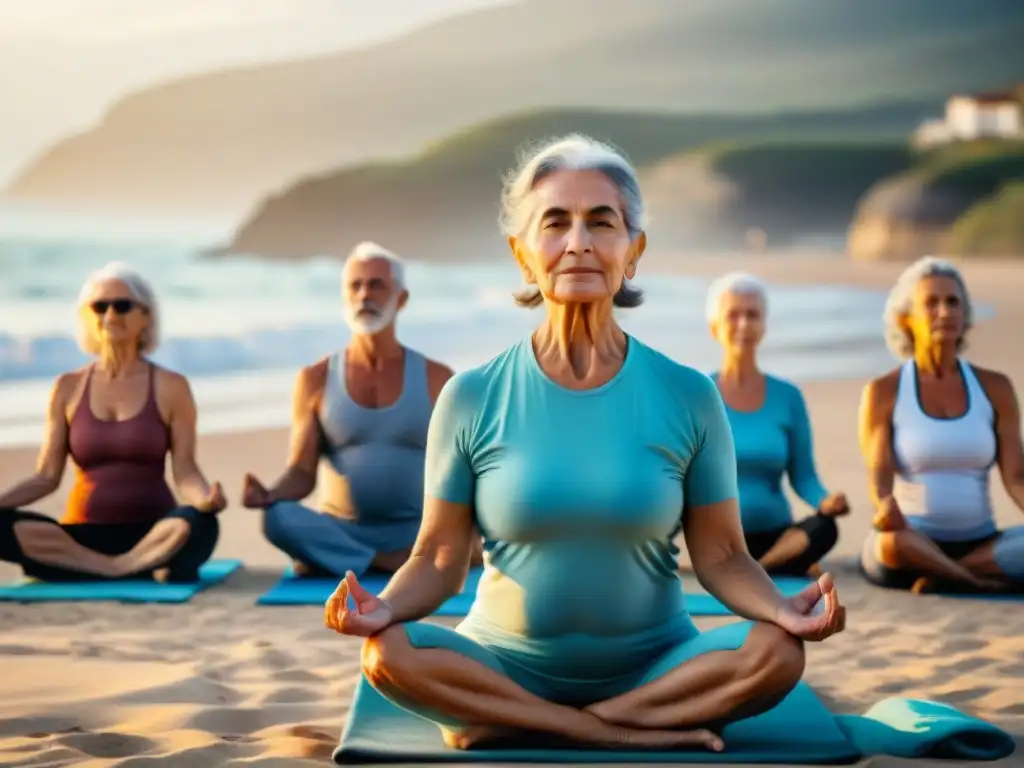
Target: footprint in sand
[(276, 660), (894, 688), (292, 695), (297, 676), (38, 727), (874, 662), (962, 645), (235, 738), (966, 695), (965, 666), (107, 744), (240, 720)]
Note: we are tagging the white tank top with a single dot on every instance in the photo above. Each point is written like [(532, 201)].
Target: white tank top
[(943, 464)]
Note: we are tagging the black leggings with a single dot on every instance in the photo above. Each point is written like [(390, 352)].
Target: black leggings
[(821, 530), (113, 539)]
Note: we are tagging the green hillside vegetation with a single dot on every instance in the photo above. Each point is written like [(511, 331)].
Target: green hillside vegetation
[(409, 202), (944, 202), (792, 175), (795, 187), (993, 226)]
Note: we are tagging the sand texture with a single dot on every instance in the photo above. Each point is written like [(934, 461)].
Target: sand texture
[(222, 682)]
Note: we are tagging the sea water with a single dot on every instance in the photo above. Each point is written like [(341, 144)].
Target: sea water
[(240, 327)]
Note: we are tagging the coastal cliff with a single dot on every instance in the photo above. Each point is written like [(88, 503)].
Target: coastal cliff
[(224, 141)]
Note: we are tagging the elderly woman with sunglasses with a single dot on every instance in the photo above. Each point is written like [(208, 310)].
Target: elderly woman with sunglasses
[(117, 418)]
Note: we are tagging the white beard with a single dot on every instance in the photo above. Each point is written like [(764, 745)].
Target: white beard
[(370, 325)]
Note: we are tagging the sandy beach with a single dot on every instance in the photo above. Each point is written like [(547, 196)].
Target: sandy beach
[(222, 682)]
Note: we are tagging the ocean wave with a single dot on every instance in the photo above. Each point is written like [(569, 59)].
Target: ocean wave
[(240, 328)]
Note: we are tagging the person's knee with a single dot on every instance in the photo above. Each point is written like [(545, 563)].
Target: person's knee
[(1008, 553), (275, 525), (825, 536), (889, 547), (385, 657), (204, 534), (772, 660)]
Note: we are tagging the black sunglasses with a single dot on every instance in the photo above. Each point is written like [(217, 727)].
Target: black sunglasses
[(120, 306)]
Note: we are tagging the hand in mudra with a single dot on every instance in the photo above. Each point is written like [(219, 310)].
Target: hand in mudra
[(215, 500), (370, 615), (815, 613), (835, 505), (254, 493), (888, 517)]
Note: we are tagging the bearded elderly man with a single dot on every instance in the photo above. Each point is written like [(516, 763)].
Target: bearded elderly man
[(365, 410)]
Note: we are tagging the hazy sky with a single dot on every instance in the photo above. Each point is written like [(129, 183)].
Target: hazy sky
[(62, 62)]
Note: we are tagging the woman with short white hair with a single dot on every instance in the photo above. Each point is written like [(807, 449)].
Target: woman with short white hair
[(117, 419), (576, 452), (931, 431), (772, 432)]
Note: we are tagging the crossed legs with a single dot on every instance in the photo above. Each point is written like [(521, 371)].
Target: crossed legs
[(172, 549), (684, 698), (907, 559)]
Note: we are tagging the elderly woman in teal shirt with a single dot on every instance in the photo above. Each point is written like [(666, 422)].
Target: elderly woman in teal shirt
[(772, 434), (576, 452)]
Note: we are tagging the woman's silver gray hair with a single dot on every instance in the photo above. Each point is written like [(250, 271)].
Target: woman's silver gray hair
[(739, 283), (899, 340), (367, 251), (574, 152), (141, 291)]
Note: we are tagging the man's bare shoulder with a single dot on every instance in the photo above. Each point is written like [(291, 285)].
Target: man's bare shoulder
[(310, 382), (437, 376)]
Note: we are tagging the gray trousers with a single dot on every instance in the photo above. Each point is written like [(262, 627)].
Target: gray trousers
[(331, 545)]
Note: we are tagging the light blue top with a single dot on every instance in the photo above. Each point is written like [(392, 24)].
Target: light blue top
[(773, 441), (577, 494)]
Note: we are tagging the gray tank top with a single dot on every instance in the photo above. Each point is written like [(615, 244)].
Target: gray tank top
[(376, 455)]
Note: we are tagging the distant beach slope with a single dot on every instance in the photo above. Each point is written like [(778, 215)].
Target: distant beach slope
[(960, 200), (708, 179), (218, 143)]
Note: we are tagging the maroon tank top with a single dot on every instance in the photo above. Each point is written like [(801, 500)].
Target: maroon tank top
[(120, 465)]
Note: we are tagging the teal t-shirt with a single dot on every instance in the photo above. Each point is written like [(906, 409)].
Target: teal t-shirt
[(577, 494), (772, 442)]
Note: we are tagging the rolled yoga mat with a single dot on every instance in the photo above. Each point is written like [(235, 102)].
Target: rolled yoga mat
[(119, 590)]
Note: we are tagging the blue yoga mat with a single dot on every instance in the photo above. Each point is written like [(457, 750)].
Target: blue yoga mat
[(702, 604), (126, 591), (293, 590), (799, 730), (1009, 597)]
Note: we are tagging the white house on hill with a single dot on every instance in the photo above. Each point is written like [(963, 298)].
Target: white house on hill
[(976, 116)]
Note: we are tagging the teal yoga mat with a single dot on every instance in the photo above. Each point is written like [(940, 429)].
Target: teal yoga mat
[(125, 591), (292, 590), (379, 732), (799, 730), (702, 604)]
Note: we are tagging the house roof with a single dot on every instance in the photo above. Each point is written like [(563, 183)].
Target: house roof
[(993, 97)]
